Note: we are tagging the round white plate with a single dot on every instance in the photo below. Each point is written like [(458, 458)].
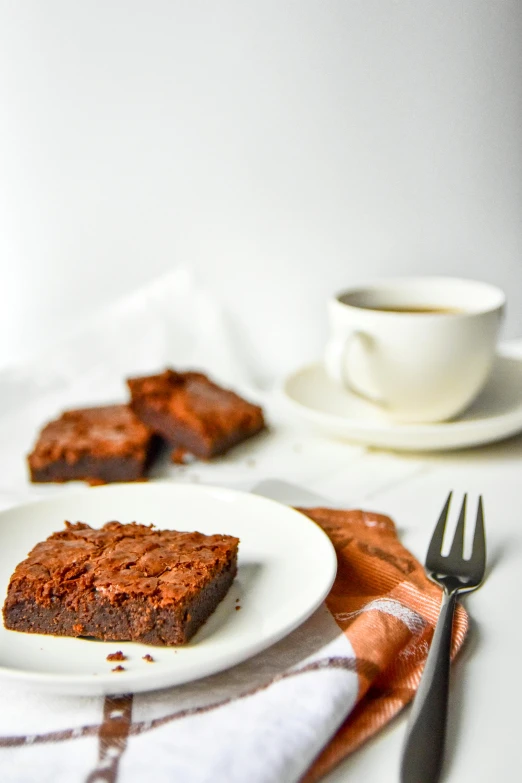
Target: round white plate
[(495, 414), (286, 567)]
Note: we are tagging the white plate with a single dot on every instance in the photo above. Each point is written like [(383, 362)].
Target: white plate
[(286, 568), (495, 414)]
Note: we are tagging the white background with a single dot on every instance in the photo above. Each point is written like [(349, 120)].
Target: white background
[(281, 149)]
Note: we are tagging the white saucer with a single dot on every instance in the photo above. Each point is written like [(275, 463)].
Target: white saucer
[(495, 414), (275, 589)]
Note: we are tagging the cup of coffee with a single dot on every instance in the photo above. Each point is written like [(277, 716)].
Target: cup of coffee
[(420, 348)]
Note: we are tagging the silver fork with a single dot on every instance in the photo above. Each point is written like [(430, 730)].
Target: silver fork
[(424, 747)]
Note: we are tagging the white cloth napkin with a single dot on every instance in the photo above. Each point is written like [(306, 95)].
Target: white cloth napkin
[(262, 721)]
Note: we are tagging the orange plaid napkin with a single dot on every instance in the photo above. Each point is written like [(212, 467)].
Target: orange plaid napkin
[(388, 608)]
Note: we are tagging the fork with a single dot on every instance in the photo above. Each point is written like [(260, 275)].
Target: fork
[(424, 747)]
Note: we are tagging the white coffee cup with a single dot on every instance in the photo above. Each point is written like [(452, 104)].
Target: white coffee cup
[(421, 348)]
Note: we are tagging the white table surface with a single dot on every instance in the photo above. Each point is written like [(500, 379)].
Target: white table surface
[(486, 689)]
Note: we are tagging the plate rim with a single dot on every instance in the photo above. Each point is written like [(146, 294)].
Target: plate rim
[(148, 680)]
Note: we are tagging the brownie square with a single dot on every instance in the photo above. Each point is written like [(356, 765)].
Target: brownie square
[(193, 413), (121, 583), (98, 445)]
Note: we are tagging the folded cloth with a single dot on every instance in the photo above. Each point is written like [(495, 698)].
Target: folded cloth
[(289, 714), (388, 608)]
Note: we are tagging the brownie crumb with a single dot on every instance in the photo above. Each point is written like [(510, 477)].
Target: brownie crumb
[(179, 456), (118, 669), (95, 481), (117, 656), (148, 658)]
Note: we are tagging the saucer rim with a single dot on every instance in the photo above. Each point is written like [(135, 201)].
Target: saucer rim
[(452, 434)]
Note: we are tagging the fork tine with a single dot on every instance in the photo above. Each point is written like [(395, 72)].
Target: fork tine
[(478, 554), (457, 545), (437, 538)]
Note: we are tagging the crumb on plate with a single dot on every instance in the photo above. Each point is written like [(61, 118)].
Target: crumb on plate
[(117, 656)]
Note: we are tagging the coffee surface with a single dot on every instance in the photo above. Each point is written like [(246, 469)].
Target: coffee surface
[(420, 310)]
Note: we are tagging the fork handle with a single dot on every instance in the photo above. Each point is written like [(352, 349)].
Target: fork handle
[(424, 747)]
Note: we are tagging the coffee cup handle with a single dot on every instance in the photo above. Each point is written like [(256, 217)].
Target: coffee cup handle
[(336, 360)]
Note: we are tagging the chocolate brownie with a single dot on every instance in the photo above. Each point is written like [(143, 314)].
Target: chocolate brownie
[(121, 583), (194, 414), (98, 445)]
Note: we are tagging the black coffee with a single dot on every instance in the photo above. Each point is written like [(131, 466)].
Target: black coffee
[(421, 310)]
